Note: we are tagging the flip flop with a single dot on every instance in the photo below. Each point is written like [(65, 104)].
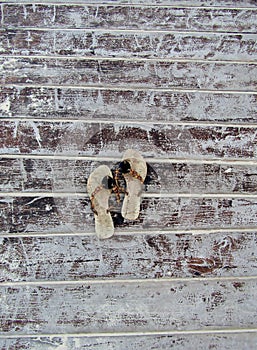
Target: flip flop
[(134, 170), (99, 186)]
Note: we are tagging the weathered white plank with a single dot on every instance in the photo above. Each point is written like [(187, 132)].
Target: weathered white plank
[(132, 105), (112, 139), (134, 252), (69, 214), (128, 256), (239, 47), (94, 307), (60, 175), (129, 17), (224, 341), (129, 74)]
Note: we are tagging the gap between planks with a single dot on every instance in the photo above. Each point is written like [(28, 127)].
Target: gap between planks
[(132, 59), (144, 195), (132, 31), (127, 121), (228, 162), (194, 232), (130, 334), (130, 88), (128, 281), (120, 4)]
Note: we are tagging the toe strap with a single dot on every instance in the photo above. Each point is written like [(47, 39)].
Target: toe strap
[(135, 174)]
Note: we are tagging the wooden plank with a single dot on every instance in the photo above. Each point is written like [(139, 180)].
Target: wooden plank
[(61, 175), (88, 139), (76, 103), (129, 17), (159, 306), (48, 247), (128, 256), (73, 214), (226, 341), (207, 46), (129, 74)]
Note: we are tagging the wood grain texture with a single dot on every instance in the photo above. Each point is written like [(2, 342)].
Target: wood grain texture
[(93, 307), (235, 341), (129, 74), (71, 214), (133, 105), (175, 80), (167, 141), (128, 256), (127, 45), (60, 175), (129, 17)]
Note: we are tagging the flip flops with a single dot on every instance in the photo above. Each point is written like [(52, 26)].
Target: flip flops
[(134, 169), (99, 186)]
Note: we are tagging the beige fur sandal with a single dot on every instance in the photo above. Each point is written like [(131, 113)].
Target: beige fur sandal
[(99, 186), (134, 170)]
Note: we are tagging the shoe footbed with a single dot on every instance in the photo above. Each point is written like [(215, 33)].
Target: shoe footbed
[(131, 203), (103, 221)]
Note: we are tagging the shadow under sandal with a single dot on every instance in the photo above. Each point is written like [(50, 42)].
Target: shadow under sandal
[(134, 169), (99, 187)]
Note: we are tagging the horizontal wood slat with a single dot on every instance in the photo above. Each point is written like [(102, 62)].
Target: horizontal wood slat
[(129, 17), (111, 105), (239, 47), (88, 307), (128, 256), (83, 81), (235, 341), (62, 175), (31, 137), (69, 214), (129, 74)]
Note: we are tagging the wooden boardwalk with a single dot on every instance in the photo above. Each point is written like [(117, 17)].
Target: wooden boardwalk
[(81, 82)]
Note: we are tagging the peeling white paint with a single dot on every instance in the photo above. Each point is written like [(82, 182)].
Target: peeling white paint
[(36, 131), (25, 13), (23, 173), (6, 105), (15, 130), (2, 14), (54, 13), (54, 306)]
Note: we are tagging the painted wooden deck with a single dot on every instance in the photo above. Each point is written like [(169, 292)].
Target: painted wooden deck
[(80, 83)]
